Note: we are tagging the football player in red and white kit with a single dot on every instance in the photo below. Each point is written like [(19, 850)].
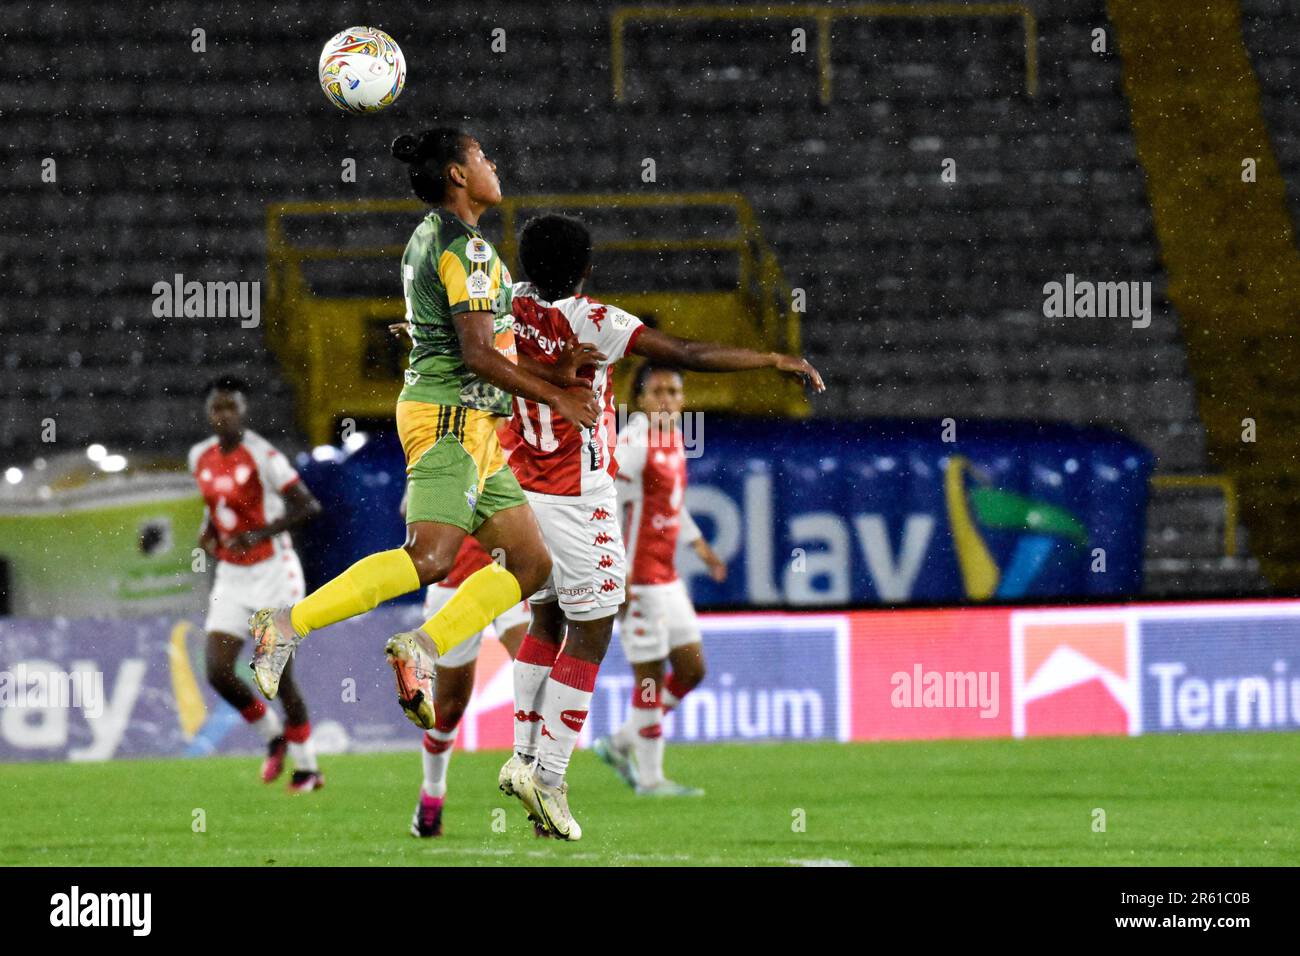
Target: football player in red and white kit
[(455, 684), (659, 626), (568, 476), (253, 497)]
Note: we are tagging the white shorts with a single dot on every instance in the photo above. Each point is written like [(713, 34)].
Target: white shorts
[(240, 589), (466, 652), (588, 566), (660, 618)]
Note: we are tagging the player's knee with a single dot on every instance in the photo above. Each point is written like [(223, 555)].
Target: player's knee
[(692, 675), (431, 565)]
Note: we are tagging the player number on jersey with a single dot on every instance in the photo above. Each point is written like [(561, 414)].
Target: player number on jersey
[(548, 443)]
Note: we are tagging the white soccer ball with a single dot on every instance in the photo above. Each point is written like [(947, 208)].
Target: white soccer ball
[(362, 70)]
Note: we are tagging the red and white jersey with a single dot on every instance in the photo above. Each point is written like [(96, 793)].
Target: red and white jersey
[(651, 487), (242, 490), (547, 454)]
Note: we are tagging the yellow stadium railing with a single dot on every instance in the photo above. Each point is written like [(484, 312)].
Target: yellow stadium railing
[(823, 16), (321, 340)]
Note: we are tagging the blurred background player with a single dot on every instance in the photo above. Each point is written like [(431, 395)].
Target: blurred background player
[(567, 474), (462, 376), (455, 684), (659, 625), (253, 497)]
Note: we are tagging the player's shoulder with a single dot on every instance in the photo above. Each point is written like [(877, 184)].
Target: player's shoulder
[(524, 294), (258, 446), (597, 312), (199, 449)]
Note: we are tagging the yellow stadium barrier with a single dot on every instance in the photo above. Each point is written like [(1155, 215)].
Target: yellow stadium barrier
[(333, 347), (823, 16)]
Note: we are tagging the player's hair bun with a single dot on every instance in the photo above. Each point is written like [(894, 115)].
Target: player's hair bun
[(406, 148)]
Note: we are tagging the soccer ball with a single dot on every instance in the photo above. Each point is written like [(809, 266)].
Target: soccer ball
[(362, 70)]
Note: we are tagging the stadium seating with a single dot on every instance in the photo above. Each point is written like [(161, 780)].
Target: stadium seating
[(925, 298)]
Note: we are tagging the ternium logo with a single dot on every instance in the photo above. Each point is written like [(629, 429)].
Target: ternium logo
[(134, 910)]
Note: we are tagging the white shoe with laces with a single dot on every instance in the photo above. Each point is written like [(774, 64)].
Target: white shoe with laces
[(547, 805)]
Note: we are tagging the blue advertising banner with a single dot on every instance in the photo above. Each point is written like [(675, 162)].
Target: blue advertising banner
[(770, 677), (818, 512), (1204, 674), (891, 512)]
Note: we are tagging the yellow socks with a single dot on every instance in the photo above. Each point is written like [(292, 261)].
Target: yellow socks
[(364, 586), (480, 598)]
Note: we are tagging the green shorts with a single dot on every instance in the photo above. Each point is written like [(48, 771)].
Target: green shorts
[(444, 485)]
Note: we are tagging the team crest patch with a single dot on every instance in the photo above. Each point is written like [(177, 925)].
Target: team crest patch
[(478, 284), (620, 319), (477, 250)]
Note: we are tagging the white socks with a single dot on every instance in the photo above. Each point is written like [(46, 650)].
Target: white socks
[(531, 669), (565, 702), (437, 756), (302, 749)]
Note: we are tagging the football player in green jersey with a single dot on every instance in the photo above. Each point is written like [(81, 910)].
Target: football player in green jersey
[(463, 373)]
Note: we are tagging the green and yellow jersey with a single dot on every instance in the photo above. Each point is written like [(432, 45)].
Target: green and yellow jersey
[(448, 268)]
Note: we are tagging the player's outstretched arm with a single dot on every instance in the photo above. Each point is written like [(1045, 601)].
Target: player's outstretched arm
[(698, 356), (577, 406)]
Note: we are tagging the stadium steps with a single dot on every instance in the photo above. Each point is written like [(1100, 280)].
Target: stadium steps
[(1185, 550)]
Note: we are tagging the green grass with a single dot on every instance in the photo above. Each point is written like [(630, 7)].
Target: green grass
[(1179, 801)]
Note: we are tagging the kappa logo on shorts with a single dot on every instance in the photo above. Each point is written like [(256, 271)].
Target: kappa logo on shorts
[(1074, 677), (471, 496), (600, 514), (603, 538), (605, 561), (609, 585)]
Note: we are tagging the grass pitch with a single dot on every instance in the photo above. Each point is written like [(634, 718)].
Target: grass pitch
[(1172, 801)]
